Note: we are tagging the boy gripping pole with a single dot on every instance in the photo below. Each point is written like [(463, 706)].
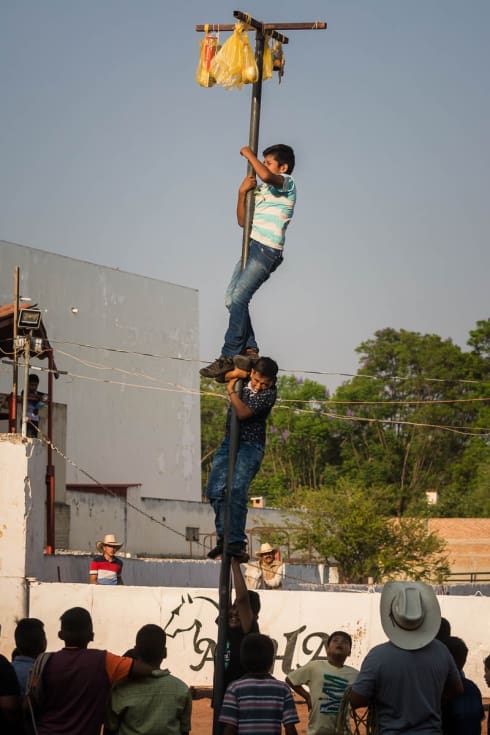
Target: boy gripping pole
[(275, 199)]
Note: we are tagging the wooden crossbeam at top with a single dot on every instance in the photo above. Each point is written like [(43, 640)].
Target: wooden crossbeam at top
[(270, 28)]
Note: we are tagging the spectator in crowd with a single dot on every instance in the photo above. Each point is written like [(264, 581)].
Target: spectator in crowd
[(268, 573), (30, 641), (326, 682), (106, 568), (242, 620), (444, 632), (257, 702), (462, 715), (407, 676), (157, 705), (76, 681), (35, 401), (486, 670), (10, 711)]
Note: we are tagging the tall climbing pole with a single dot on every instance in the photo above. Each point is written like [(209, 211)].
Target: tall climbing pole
[(261, 31)]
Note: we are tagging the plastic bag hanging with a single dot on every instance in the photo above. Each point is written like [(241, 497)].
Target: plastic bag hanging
[(250, 71), (267, 60), (227, 65), (278, 59), (208, 49)]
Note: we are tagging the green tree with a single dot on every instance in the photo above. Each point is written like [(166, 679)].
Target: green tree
[(352, 525)]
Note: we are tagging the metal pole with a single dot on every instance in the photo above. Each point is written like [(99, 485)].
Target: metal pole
[(15, 368), (224, 582), (50, 486), (27, 353)]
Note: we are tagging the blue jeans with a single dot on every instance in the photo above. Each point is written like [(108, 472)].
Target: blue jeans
[(261, 262), (248, 461)]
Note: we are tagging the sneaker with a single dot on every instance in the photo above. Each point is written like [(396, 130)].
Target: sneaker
[(238, 551), (246, 361), (217, 551), (219, 367)]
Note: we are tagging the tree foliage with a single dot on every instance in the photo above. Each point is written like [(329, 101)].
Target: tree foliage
[(415, 417), (351, 525)]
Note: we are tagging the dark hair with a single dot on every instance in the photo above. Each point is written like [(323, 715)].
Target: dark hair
[(486, 662), (341, 633), (254, 600), (267, 367), (282, 154), (444, 631), (33, 377), (150, 643), (30, 637), (458, 649), (257, 653), (76, 627)]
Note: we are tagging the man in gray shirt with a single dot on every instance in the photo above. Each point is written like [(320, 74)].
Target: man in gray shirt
[(407, 677)]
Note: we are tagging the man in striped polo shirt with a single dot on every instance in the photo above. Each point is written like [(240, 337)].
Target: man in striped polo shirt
[(106, 568)]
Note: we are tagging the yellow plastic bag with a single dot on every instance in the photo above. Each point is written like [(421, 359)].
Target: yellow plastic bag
[(267, 60), (227, 65), (250, 71), (208, 50)]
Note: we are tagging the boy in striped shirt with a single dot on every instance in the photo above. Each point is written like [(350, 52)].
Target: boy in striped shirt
[(257, 702), (274, 203)]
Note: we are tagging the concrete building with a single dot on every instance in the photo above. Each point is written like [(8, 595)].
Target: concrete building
[(128, 394)]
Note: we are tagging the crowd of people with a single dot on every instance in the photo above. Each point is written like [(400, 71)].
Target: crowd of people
[(413, 683)]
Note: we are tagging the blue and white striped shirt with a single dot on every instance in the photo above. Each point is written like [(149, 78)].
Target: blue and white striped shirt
[(273, 212)]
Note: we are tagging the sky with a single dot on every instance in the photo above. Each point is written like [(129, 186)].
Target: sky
[(110, 152)]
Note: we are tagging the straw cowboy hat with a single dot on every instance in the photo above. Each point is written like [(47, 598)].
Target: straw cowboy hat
[(410, 614), (109, 540), (266, 549)]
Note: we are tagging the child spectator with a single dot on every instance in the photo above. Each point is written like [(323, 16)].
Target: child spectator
[(463, 714), (252, 410), (275, 199), (257, 702), (30, 641), (326, 682), (76, 681), (242, 620), (157, 705)]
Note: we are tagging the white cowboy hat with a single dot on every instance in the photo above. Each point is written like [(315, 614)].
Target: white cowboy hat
[(410, 614), (266, 549), (109, 540)]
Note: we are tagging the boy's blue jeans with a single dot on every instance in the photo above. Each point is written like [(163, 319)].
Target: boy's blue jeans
[(248, 461), (262, 261)]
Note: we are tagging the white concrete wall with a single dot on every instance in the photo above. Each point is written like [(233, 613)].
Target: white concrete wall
[(22, 528), (148, 433), (298, 621)]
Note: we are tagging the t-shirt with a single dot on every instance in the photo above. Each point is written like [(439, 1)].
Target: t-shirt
[(327, 684), (107, 572), (76, 684), (462, 715), (252, 430), (273, 211), (407, 686), (22, 666), (258, 704), (9, 687), (156, 705)]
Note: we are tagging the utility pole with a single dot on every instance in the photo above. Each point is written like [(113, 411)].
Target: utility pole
[(261, 31), (15, 367)]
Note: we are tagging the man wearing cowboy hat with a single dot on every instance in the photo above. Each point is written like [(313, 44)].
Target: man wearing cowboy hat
[(268, 573), (106, 568), (407, 677)]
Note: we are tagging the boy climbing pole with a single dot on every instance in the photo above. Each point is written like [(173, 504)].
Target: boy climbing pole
[(274, 205), (252, 409)]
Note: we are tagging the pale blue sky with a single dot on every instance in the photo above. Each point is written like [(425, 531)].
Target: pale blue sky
[(111, 152)]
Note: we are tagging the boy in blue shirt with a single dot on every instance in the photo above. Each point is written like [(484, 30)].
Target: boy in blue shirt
[(275, 199)]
